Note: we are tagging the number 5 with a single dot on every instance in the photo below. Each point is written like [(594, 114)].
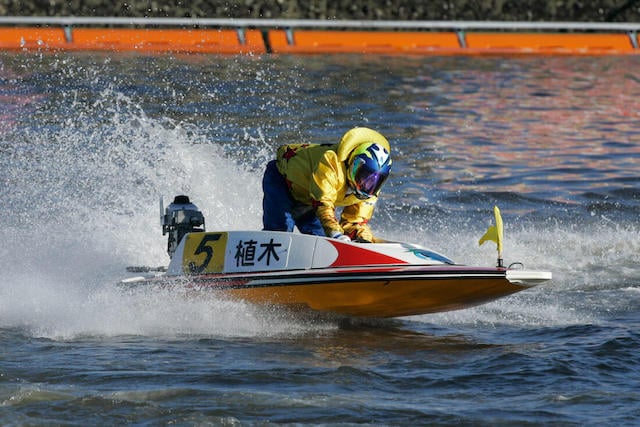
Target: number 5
[(204, 248)]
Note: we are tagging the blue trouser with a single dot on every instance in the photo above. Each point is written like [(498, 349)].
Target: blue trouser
[(279, 211)]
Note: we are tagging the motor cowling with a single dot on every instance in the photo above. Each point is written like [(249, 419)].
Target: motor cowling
[(180, 217)]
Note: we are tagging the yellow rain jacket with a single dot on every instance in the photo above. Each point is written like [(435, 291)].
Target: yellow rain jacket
[(317, 176)]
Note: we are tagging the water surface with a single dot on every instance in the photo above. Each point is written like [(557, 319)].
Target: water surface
[(90, 141)]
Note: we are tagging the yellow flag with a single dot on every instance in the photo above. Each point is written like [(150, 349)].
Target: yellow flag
[(495, 233)]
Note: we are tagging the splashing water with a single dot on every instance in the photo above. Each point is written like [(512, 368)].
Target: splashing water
[(90, 144), (84, 204)]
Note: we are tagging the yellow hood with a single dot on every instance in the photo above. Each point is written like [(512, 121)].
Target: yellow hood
[(357, 136)]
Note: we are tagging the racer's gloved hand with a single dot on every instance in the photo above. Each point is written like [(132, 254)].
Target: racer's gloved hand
[(340, 236), (361, 240)]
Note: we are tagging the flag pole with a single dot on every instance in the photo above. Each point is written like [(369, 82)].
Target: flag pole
[(500, 235)]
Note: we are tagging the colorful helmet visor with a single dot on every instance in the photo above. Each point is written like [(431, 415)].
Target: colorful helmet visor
[(368, 182), (369, 170)]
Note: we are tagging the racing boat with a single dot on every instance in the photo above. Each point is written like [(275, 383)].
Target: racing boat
[(388, 279)]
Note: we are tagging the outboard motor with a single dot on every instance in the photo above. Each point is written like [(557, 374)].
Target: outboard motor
[(180, 217)]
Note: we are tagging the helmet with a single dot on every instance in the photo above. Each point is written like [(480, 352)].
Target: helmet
[(368, 168)]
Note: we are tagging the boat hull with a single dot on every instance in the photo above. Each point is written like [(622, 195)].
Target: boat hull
[(383, 298), (402, 291), (312, 272)]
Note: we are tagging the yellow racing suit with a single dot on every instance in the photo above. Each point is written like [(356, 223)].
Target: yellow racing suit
[(317, 176)]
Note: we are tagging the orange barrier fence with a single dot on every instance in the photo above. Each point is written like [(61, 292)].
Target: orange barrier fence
[(175, 40), (550, 43), (254, 41), (208, 41), (32, 38), (363, 42)]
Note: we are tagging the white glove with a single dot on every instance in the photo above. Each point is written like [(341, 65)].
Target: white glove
[(340, 236)]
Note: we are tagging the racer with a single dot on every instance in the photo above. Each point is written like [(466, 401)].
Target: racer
[(307, 182)]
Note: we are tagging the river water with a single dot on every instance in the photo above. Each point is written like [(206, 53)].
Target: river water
[(90, 141)]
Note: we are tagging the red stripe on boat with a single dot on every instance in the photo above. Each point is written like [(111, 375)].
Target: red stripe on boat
[(356, 255)]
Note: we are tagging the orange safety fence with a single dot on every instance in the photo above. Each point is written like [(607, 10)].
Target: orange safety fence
[(206, 41), (363, 42), (546, 43), (243, 41), (151, 40), (32, 38)]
